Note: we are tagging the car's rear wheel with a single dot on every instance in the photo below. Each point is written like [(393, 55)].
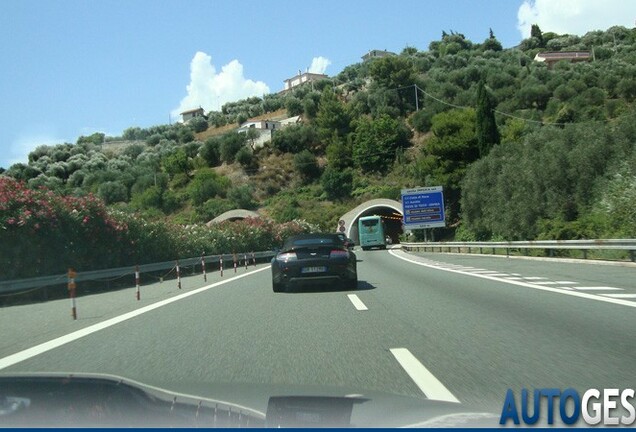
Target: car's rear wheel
[(278, 287), (352, 284)]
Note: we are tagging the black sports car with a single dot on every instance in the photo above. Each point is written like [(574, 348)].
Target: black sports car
[(314, 258)]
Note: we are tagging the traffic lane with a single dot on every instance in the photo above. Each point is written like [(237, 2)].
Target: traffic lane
[(242, 333), (24, 326), (620, 275), (481, 337)]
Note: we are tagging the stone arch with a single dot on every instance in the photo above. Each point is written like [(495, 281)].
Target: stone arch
[(233, 215), (381, 206)]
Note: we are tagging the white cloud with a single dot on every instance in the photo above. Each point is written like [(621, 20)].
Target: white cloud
[(210, 90), (574, 16), (319, 65)]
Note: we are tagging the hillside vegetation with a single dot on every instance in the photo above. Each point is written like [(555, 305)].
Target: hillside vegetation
[(523, 151)]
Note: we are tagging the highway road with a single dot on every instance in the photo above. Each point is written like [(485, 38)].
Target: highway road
[(450, 327)]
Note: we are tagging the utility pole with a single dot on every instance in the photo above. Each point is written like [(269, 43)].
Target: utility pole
[(417, 102)]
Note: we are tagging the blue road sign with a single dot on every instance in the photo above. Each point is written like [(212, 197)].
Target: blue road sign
[(423, 207)]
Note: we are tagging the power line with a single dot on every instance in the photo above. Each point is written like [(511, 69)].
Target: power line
[(495, 110)]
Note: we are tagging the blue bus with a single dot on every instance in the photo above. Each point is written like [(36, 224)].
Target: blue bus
[(371, 232)]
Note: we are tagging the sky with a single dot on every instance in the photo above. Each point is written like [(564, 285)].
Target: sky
[(75, 67)]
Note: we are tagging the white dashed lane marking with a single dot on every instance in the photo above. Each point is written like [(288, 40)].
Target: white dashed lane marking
[(357, 303), (423, 378)]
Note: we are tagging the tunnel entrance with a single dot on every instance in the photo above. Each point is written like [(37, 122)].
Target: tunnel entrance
[(392, 223), (389, 210)]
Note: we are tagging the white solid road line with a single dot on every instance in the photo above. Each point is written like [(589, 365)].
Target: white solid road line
[(546, 283), (484, 271), (573, 292), (620, 295), (357, 302), (63, 340), (599, 288), (423, 378)]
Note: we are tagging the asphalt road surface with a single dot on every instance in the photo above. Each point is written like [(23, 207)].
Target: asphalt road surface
[(449, 327)]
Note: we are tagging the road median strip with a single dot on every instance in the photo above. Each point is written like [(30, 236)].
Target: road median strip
[(63, 340)]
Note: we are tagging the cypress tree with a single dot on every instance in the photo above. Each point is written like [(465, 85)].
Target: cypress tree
[(486, 127)]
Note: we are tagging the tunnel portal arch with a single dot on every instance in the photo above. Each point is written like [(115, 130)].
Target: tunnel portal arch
[(233, 215), (390, 211)]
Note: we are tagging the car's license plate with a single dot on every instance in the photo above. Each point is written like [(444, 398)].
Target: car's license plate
[(320, 269)]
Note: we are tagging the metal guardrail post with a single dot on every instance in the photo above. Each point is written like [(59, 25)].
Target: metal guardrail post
[(205, 276), (178, 276), (72, 291), (19, 286), (137, 283)]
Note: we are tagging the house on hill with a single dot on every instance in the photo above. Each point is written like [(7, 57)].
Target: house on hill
[(551, 57), (374, 54), (265, 129), (302, 78), (260, 125), (290, 121), (190, 114)]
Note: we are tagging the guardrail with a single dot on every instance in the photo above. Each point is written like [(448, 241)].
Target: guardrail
[(15, 286), (628, 245)]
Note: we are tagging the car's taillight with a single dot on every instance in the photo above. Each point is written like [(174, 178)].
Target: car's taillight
[(287, 256), (338, 253)]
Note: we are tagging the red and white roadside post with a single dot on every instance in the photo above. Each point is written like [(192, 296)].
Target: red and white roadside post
[(205, 276), (221, 264), (72, 291), (178, 276), (245, 261), (234, 255), (253, 259), (137, 282)]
